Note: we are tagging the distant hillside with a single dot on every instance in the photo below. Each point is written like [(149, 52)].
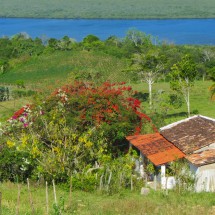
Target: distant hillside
[(46, 69), (130, 9)]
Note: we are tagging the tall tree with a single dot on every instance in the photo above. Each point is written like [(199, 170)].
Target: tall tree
[(183, 75), (148, 66)]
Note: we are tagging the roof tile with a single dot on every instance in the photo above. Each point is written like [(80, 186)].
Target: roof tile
[(191, 134), (156, 148), (202, 158)]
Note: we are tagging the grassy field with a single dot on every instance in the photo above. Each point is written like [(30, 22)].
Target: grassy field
[(82, 203), (200, 100), (46, 69), (128, 9), (53, 70), (47, 72)]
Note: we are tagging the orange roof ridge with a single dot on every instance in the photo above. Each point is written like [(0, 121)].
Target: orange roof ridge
[(156, 148)]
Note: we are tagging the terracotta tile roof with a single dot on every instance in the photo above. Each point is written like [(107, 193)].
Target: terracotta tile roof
[(191, 134), (156, 148), (202, 158)]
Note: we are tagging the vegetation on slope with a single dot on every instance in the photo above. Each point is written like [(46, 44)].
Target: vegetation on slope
[(29, 65), (128, 9)]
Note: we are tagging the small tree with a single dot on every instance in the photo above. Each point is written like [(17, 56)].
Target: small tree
[(183, 75), (212, 87), (148, 67), (138, 38)]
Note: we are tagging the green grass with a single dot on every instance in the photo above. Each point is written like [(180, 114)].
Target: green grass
[(47, 72), (199, 100), (53, 70), (129, 9), (126, 202), (48, 68)]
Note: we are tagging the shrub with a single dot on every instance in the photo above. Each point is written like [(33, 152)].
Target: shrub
[(76, 126), (4, 93), (15, 164)]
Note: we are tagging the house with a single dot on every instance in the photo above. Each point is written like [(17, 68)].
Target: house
[(159, 151), (195, 136), (192, 138)]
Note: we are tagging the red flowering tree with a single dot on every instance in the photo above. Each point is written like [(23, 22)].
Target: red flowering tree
[(109, 105), (76, 125)]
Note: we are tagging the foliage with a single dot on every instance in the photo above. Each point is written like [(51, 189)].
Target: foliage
[(212, 90), (75, 126), (164, 102), (20, 84), (148, 66), (15, 165), (4, 93), (212, 87), (137, 9), (185, 179), (22, 93), (183, 75)]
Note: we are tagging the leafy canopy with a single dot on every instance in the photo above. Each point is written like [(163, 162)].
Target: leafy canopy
[(76, 126)]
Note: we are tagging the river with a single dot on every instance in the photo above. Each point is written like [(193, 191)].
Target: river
[(178, 31)]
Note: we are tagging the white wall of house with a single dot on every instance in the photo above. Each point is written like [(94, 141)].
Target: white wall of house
[(205, 177), (166, 182)]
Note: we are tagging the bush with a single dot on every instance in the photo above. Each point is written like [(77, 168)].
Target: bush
[(4, 93), (22, 93), (76, 126), (20, 84), (15, 165), (84, 182)]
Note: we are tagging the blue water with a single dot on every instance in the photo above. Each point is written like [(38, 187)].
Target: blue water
[(178, 31)]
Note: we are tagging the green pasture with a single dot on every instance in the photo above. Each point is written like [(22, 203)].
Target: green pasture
[(83, 203), (46, 72), (58, 66), (117, 9), (200, 100)]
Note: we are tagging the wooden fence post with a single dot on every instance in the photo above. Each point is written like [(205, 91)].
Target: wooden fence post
[(47, 199), (0, 202), (70, 191), (18, 200), (55, 196), (132, 183), (30, 197)]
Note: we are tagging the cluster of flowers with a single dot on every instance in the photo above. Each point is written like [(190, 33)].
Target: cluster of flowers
[(105, 103), (62, 95), (108, 103), (21, 116)]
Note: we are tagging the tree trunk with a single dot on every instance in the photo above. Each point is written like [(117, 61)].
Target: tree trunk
[(188, 102), (150, 94)]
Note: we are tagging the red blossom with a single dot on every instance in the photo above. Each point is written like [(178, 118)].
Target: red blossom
[(107, 103)]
